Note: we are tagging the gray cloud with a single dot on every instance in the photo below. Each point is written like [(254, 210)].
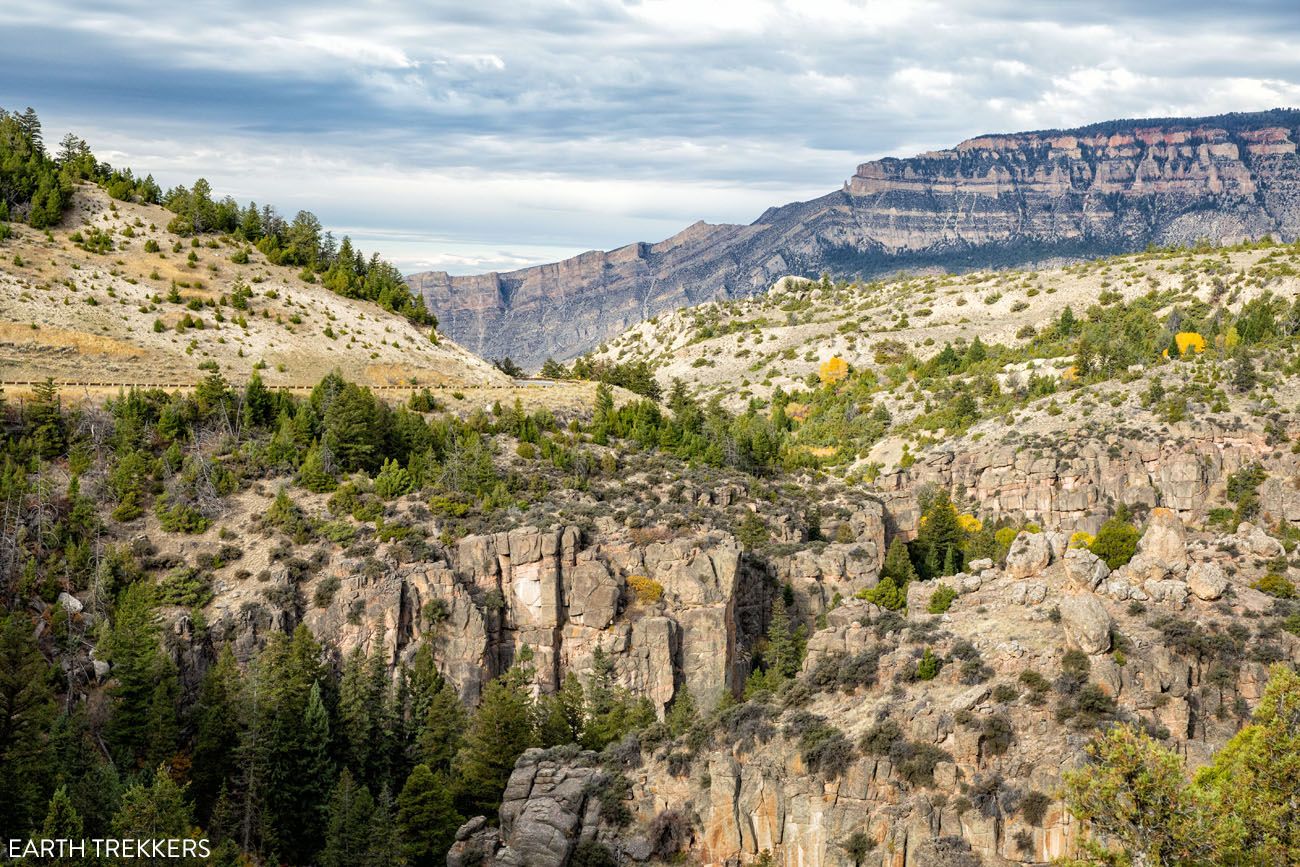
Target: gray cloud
[(489, 135)]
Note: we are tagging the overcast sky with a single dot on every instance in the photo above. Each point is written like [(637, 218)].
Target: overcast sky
[(479, 135)]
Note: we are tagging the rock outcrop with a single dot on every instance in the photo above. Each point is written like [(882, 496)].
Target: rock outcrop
[(990, 200)]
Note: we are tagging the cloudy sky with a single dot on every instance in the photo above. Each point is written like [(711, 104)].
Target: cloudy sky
[(482, 134)]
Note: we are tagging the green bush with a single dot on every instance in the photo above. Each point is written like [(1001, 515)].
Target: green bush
[(941, 600), (1116, 542)]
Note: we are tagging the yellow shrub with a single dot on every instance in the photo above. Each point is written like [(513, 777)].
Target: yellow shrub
[(1070, 374), (970, 523), (647, 590), (1082, 540), (833, 370), (1005, 536), (1189, 340)]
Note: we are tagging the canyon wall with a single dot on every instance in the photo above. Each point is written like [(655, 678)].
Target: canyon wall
[(989, 201)]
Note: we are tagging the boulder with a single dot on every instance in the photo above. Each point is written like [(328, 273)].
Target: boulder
[(1165, 541), (70, 603), (1030, 554), (1257, 542), (1206, 581), (1028, 592), (1087, 623), (1085, 569)]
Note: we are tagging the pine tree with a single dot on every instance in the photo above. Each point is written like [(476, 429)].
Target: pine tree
[(216, 740), (347, 835), (443, 728), (1244, 377), (783, 651), (682, 714), (44, 418), (383, 838), (426, 817), (62, 822), (317, 471), (163, 724), (562, 716), (138, 665), (152, 812), (502, 728), (316, 772), (26, 710), (898, 563)]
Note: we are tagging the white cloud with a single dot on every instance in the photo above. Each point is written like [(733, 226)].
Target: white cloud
[(489, 134)]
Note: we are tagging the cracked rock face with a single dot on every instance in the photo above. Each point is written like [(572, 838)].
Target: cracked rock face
[(1100, 189)]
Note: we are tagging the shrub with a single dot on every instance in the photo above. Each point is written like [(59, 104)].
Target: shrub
[(858, 846), (1005, 693), (915, 762), (996, 735), (941, 600), (833, 370), (670, 833), (1277, 585), (1033, 806), (393, 481), (1116, 542), (648, 591), (1082, 539), (325, 591), (881, 737), (927, 668), (187, 586), (179, 517), (589, 853), (887, 594)]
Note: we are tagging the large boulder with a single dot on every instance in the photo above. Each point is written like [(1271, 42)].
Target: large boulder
[(1206, 581), (1164, 541), (1256, 541), (1085, 569), (1087, 623), (1030, 554)]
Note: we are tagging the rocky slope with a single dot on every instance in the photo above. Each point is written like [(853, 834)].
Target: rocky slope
[(80, 313), (991, 200)]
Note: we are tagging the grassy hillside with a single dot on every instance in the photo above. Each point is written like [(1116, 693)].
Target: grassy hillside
[(109, 295)]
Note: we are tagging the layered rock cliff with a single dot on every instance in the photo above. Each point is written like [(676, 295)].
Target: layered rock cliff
[(991, 200)]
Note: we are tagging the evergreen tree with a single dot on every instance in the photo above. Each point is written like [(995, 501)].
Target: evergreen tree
[(442, 728), (1253, 785), (1135, 794), (347, 836), (138, 667), (383, 838), (153, 812), (62, 822), (502, 728), (164, 704), (784, 654), (426, 817), (45, 424), (682, 714), (317, 471), (898, 563), (26, 710), (1244, 377), (563, 716), (316, 771), (216, 715)]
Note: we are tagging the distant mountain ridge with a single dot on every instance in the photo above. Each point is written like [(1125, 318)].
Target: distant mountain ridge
[(998, 199)]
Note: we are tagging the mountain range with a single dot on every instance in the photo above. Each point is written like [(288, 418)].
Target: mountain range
[(991, 200)]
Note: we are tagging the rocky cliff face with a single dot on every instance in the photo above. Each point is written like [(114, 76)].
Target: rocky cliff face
[(676, 612), (990, 200), (963, 769)]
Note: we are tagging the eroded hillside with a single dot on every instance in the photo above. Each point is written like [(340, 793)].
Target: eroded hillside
[(110, 296)]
